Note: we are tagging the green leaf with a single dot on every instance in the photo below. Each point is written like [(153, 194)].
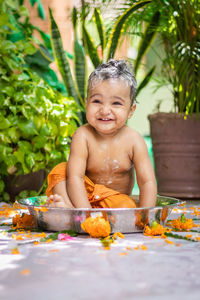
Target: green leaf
[(91, 48), (147, 39), (4, 123), (29, 49), (80, 68), (39, 141), (25, 146), (14, 134), (2, 186), (30, 160), (61, 59), (100, 27), (145, 81), (119, 28), (27, 127)]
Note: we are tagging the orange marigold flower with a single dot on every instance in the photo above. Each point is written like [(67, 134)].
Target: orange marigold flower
[(42, 209), (25, 272), (23, 221), (36, 243), (39, 235), (96, 227), (118, 234), (17, 237), (185, 224), (137, 248), (107, 248), (158, 230), (143, 247), (129, 248), (15, 251), (123, 253), (198, 239), (169, 242)]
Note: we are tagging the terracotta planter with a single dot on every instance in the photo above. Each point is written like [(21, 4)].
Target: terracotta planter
[(176, 148), (32, 182)]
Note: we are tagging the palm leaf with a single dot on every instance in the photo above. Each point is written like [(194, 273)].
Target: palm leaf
[(79, 60), (119, 28), (145, 81), (91, 48), (80, 68), (61, 59), (100, 27), (147, 39)]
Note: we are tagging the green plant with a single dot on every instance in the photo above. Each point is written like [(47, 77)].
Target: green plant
[(36, 122), (179, 35), (108, 43)]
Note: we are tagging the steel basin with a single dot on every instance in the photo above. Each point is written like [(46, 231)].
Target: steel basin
[(125, 220)]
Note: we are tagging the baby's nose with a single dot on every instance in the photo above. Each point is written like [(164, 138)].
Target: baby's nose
[(105, 109)]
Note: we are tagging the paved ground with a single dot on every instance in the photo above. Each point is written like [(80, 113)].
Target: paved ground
[(82, 269)]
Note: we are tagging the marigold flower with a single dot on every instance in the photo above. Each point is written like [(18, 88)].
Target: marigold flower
[(143, 247), (23, 221), (182, 223), (96, 227), (158, 230), (169, 242), (118, 234), (122, 253), (15, 251), (25, 272)]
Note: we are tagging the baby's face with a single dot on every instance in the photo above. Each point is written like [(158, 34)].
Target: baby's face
[(108, 106)]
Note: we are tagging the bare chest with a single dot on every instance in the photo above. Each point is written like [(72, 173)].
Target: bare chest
[(106, 160)]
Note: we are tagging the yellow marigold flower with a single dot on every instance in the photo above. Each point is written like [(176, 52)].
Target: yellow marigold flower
[(96, 227)]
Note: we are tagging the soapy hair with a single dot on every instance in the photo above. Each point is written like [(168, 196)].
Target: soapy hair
[(118, 69)]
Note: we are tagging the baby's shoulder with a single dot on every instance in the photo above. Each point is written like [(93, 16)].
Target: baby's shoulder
[(132, 134), (83, 132)]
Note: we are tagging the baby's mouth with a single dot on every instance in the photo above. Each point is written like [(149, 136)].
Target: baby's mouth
[(105, 119)]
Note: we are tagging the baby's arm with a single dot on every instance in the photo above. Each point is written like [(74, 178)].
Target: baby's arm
[(144, 173), (76, 170)]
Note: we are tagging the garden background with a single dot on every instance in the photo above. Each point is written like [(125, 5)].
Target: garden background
[(47, 50)]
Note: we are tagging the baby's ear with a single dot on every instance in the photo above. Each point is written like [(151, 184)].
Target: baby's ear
[(132, 109)]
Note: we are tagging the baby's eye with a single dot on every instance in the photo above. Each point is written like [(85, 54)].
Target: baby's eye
[(117, 103), (95, 101)]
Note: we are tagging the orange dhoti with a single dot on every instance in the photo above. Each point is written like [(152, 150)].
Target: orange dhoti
[(98, 195)]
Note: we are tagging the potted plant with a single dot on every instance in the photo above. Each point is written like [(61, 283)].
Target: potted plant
[(176, 135), (36, 122)]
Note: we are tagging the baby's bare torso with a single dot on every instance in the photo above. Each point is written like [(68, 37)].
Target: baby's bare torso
[(110, 160)]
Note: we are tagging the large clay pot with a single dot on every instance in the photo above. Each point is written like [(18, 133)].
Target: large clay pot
[(176, 148), (16, 184)]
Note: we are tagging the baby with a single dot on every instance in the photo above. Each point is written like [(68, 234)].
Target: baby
[(105, 152)]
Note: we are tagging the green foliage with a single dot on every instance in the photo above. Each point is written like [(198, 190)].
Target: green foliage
[(36, 123), (179, 34), (76, 87)]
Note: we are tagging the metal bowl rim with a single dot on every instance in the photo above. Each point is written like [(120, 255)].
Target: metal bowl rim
[(107, 209)]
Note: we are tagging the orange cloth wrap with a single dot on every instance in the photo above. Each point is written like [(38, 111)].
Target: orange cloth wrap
[(99, 195)]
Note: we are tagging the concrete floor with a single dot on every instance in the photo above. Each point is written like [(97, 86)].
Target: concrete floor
[(82, 269)]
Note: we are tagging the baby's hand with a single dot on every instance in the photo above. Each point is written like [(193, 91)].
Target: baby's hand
[(55, 201)]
